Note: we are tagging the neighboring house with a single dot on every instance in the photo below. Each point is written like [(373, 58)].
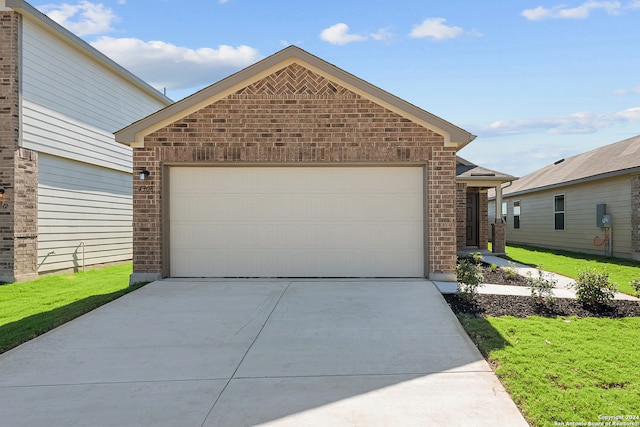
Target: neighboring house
[(65, 184), (293, 167), (474, 183), (561, 206)]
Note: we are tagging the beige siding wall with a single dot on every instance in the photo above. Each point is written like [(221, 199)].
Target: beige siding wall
[(64, 80), (85, 214), (48, 131), (537, 217)]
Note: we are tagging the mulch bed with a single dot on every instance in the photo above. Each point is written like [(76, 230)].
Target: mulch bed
[(524, 306), (500, 277)]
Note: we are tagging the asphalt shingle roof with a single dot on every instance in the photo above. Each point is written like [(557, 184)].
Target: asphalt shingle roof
[(614, 159)]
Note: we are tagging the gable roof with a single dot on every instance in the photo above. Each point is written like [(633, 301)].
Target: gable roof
[(134, 134), (477, 176), (620, 158), (57, 30)]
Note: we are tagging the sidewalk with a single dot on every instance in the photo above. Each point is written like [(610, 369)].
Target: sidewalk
[(562, 289)]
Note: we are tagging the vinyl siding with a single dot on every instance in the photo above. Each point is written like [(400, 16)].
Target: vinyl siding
[(82, 207), (72, 104), (48, 131), (537, 217), (65, 80)]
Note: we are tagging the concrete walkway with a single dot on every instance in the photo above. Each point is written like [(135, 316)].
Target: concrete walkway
[(563, 287), (248, 352)]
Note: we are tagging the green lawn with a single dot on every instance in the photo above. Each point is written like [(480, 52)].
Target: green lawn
[(564, 370), (571, 263), (28, 309)]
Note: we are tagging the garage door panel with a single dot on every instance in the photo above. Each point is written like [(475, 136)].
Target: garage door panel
[(296, 222)]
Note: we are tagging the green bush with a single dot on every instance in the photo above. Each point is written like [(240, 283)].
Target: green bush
[(469, 276), (594, 287), (635, 284), (542, 286), (511, 272)]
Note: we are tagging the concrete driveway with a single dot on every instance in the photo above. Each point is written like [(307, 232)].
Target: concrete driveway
[(239, 353)]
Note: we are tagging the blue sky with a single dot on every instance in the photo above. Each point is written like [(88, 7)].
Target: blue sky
[(536, 80)]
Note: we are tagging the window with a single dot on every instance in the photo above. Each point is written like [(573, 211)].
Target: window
[(558, 211), (504, 212), (516, 214)]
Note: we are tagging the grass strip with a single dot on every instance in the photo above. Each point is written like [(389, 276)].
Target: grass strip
[(561, 371), (29, 309), (621, 271)]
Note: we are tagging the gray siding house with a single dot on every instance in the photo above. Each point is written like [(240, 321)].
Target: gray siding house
[(561, 206), (65, 184)]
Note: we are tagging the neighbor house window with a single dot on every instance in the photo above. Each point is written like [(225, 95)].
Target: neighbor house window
[(504, 212), (516, 214), (558, 211)]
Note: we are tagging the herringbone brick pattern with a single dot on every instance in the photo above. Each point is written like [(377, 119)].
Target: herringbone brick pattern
[(295, 80)]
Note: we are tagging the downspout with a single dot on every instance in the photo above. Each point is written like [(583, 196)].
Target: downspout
[(499, 188)]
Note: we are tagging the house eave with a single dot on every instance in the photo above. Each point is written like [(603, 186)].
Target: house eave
[(484, 181), (135, 133), (613, 174)]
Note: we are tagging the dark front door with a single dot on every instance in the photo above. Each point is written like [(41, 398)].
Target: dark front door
[(472, 219)]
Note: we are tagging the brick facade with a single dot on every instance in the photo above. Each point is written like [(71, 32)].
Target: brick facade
[(461, 216), (18, 167), (635, 217), (498, 238), (483, 214), (294, 116)]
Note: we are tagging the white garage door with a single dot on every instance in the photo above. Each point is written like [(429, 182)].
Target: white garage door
[(296, 221)]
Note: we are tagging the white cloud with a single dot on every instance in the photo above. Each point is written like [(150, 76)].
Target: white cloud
[(166, 65), (435, 28), (579, 12), (339, 34), (576, 123), (635, 89), (383, 34), (83, 18)]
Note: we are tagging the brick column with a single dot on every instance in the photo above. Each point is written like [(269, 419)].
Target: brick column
[(461, 216), (483, 214), (442, 215), (499, 238), (18, 167)]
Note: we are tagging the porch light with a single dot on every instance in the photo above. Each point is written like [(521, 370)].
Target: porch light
[(144, 174), (1, 193)]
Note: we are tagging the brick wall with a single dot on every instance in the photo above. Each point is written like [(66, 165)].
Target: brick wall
[(635, 216), (482, 218), (461, 216), (498, 238), (294, 117), (18, 167)]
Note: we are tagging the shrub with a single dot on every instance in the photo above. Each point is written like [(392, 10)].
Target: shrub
[(593, 287), (542, 286), (511, 272), (635, 284), (469, 274), (493, 268)]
